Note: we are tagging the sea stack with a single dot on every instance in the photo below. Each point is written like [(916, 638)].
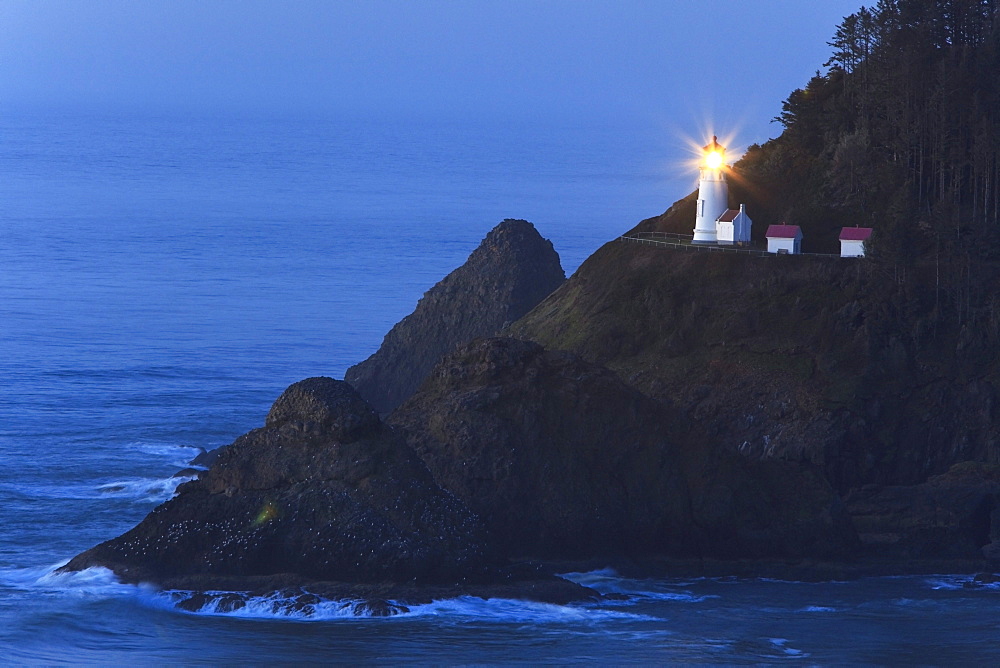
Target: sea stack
[(511, 271)]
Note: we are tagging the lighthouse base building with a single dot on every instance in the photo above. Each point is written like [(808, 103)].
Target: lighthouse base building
[(733, 227)]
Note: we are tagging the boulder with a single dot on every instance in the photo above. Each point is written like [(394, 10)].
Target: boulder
[(511, 271), (318, 404)]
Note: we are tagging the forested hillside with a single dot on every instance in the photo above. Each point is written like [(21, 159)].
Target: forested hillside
[(901, 133)]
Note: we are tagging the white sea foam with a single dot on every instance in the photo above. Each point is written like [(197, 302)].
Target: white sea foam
[(26, 577), (954, 582), (100, 582), (175, 455), (782, 645), (457, 610), (469, 608), (93, 582), (144, 489), (271, 607), (608, 581), (596, 577), (817, 608)]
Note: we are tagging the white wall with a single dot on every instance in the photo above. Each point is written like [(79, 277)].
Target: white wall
[(713, 198), (725, 232), (775, 244), (850, 248)]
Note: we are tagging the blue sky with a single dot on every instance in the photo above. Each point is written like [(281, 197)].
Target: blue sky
[(677, 63)]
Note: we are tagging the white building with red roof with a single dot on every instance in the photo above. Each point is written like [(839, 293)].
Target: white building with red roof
[(852, 241), (733, 227), (784, 239)]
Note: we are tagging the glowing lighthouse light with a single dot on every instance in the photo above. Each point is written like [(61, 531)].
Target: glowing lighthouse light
[(713, 193), (714, 160)]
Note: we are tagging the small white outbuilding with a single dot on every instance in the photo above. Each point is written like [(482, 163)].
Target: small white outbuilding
[(733, 227), (852, 241), (784, 239)]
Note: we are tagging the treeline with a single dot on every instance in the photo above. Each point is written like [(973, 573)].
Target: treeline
[(902, 133)]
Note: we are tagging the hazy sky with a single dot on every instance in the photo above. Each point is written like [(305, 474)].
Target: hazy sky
[(681, 61)]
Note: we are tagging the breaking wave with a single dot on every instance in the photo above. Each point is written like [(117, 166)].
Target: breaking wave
[(100, 583), (955, 582), (608, 581), (175, 455), (89, 583), (144, 489), (462, 609)]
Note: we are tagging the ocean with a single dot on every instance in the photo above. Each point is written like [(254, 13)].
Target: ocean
[(164, 278)]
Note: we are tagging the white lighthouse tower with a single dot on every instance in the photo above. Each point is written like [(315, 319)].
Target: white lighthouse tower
[(713, 193)]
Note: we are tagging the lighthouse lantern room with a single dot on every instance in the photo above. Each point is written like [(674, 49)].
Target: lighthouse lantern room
[(713, 193)]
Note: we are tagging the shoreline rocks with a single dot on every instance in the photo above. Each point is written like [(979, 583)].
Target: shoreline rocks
[(324, 490), (370, 600)]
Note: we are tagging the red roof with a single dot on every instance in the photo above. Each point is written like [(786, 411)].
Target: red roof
[(855, 233), (782, 231), (729, 216)]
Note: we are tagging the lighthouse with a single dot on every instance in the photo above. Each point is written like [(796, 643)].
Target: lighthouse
[(713, 193)]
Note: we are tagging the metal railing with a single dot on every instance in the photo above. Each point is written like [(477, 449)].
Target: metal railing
[(683, 242)]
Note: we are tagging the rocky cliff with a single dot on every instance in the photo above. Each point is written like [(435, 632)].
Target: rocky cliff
[(561, 459), (511, 271)]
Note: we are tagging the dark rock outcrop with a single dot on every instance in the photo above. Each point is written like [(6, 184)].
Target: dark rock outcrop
[(324, 491), (511, 271), (205, 458), (952, 515), (562, 460)]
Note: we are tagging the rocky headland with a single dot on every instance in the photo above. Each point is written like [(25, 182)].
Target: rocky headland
[(697, 412), (715, 412)]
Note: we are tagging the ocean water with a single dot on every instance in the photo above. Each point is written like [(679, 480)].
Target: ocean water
[(163, 279)]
